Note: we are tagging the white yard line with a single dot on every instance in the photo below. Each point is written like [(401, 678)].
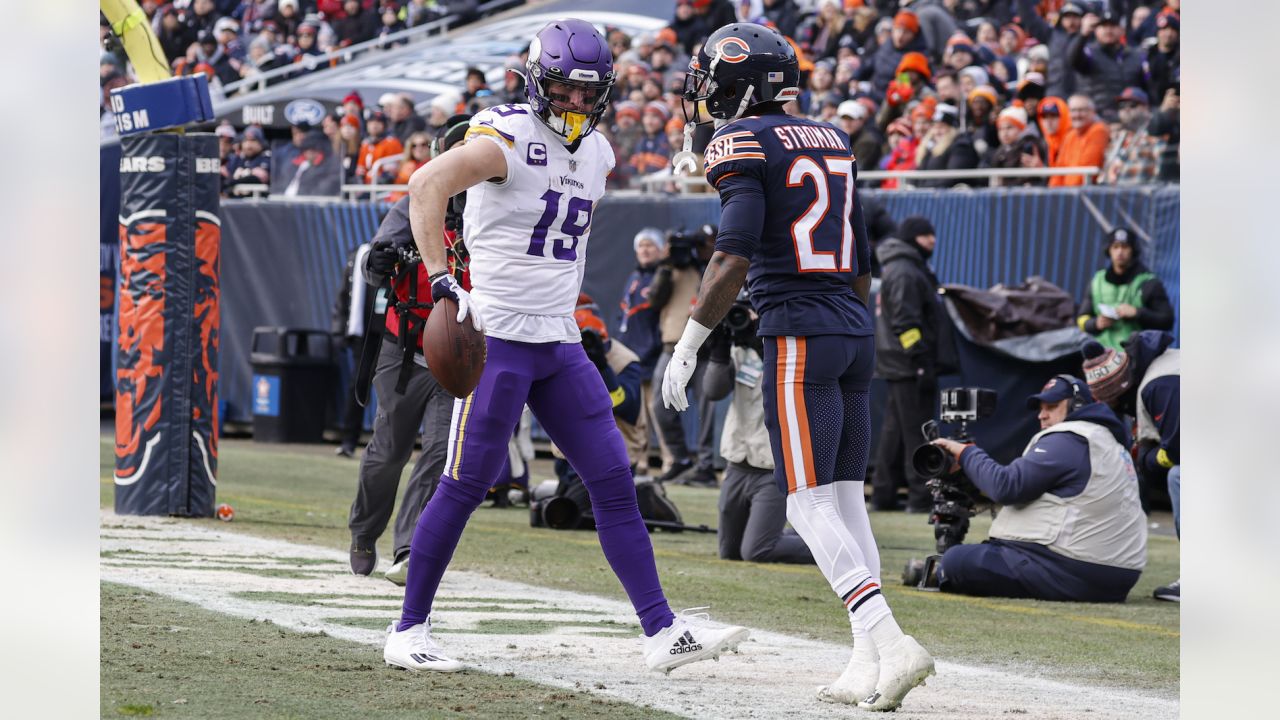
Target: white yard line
[(590, 644)]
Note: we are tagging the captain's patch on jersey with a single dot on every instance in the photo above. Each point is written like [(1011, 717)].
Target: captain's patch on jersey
[(732, 146)]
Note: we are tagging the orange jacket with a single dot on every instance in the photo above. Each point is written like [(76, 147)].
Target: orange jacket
[(1054, 141), (371, 153), (402, 177), (1081, 146)]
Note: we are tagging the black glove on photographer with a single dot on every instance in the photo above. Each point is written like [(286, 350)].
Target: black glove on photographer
[(383, 258), (718, 344), (595, 353)]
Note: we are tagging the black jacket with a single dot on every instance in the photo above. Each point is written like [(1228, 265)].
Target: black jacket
[(909, 300), (1104, 72), (959, 155)]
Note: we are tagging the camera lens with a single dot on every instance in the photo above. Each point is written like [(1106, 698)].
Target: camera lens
[(561, 513), (930, 461), (738, 319)]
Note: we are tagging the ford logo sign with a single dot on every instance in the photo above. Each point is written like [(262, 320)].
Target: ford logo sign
[(304, 111)]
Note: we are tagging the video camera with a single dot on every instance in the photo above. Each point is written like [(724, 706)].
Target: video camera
[(740, 324), (954, 495), (684, 248)]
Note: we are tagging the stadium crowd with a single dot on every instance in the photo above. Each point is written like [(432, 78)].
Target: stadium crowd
[(940, 84), (917, 84)]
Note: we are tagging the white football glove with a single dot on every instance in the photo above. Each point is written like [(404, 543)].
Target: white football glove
[(684, 359), (676, 379), (446, 286)]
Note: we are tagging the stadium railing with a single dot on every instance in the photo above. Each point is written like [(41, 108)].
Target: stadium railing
[(653, 183), (258, 82), (656, 181)]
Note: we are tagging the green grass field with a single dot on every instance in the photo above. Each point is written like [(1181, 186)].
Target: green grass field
[(302, 494)]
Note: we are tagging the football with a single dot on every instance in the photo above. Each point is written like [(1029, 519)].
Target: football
[(454, 351)]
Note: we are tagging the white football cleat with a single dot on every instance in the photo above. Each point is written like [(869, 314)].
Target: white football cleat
[(398, 573), (691, 637), (855, 684), (414, 649), (903, 665)]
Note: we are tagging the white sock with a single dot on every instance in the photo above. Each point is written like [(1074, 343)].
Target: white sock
[(817, 518), (885, 631), (864, 648)]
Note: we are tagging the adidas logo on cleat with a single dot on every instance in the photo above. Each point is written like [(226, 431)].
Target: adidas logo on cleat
[(686, 644), (420, 658)]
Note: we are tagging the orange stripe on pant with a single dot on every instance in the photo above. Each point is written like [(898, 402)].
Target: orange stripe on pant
[(784, 428), (797, 448)]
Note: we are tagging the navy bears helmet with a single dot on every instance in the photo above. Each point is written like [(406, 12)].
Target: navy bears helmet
[(741, 65)]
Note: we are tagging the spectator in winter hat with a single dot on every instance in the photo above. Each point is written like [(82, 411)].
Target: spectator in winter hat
[(881, 67), (1029, 91), (624, 135), (945, 147), (1124, 297), (1054, 122), (442, 108), (675, 133), (1038, 61), (652, 151), (286, 21), (864, 139), (982, 104), (1019, 147), (250, 164), (911, 82), (971, 77), (1164, 60), (378, 144), (347, 146), (1133, 156), (226, 140), (903, 141), (960, 55), (1011, 39)]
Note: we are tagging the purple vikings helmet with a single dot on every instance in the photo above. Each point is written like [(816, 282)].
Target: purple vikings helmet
[(574, 53)]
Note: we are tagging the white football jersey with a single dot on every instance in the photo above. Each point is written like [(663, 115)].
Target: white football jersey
[(528, 234)]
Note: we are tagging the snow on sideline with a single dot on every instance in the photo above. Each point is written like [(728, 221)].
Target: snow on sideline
[(590, 641)]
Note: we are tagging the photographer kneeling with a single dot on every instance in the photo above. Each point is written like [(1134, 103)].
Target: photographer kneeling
[(753, 512), (1072, 526)]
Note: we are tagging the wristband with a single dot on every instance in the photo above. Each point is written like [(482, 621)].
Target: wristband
[(695, 333)]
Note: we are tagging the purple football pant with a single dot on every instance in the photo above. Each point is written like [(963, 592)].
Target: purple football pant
[(569, 398)]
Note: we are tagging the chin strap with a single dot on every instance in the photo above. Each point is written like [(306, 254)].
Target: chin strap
[(685, 162)]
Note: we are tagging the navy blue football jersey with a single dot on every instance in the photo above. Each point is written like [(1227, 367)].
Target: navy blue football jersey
[(790, 205)]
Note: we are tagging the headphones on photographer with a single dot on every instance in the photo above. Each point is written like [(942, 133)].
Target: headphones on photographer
[(454, 129), (1077, 400)]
